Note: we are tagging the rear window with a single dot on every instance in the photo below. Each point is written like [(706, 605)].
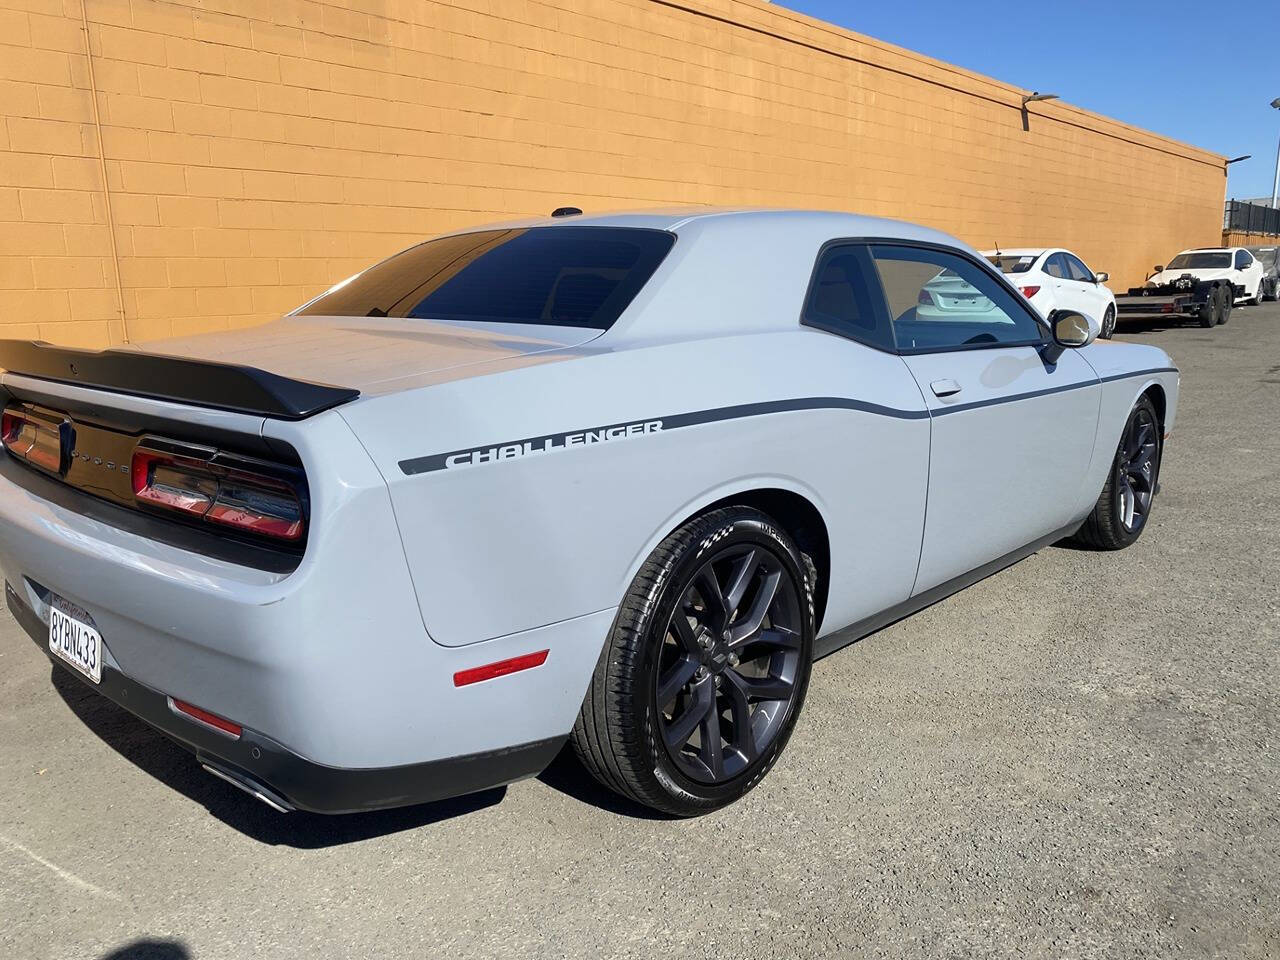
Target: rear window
[(564, 276), (1009, 263)]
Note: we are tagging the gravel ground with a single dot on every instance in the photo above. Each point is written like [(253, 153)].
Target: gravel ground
[(1075, 758)]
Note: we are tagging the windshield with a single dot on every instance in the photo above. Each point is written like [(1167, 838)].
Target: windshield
[(1009, 263), (1200, 261), (566, 276)]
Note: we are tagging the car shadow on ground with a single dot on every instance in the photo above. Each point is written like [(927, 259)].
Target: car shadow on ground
[(567, 775), (174, 766), (149, 949)]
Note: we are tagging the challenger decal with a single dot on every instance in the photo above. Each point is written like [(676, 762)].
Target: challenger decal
[(560, 441), (631, 429)]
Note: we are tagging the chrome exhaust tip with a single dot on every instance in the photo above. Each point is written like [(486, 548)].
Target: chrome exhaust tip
[(250, 786)]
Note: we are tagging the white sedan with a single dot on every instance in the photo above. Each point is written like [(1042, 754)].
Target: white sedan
[(1235, 265), (1056, 279)]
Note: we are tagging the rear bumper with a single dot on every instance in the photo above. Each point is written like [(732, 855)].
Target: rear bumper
[(285, 780)]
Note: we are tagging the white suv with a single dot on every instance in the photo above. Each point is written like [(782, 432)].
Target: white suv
[(1056, 279)]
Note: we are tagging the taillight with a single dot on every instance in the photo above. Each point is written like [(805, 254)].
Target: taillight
[(926, 299), (34, 438), (1028, 292), (212, 490)]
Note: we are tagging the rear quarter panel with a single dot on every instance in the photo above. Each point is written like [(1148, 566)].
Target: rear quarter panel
[(508, 545)]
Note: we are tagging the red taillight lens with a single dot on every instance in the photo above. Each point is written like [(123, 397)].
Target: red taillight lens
[(242, 499), (33, 438), (926, 299), (1028, 292)]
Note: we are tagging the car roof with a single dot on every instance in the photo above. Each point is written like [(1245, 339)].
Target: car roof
[(1211, 250), (727, 220), (1020, 251)]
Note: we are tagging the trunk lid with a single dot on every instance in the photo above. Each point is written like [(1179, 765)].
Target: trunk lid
[(377, 355)]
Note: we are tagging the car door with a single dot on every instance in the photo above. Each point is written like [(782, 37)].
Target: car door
[(1011, 435), (1087, 295), (1247, 274), (1055, 269)]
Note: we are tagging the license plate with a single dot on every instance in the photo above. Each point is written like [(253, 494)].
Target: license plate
[(73, 640)]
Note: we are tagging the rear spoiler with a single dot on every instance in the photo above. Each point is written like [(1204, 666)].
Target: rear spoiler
[(201, 383)]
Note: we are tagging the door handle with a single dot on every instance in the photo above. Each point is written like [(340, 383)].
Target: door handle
[(944, 388)]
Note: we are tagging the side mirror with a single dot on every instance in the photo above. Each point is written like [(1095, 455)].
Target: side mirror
[(1071, 330), (1159, 268), (1101, 277)]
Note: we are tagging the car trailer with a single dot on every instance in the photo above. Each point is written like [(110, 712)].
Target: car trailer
[(1208, 301)]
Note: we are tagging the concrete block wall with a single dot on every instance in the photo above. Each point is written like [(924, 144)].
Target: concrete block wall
[(240, 155)]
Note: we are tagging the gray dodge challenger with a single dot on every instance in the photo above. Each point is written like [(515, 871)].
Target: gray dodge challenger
[(615, 480)]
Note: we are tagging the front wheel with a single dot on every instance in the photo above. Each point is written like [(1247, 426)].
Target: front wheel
[(1108, 323), (704, 674), (1124, 506), (1228, 304)]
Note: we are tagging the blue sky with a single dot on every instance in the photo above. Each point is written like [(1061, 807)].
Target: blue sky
[(1150, 64)]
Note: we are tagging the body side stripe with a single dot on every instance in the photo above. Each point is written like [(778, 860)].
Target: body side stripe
[(557, 441)]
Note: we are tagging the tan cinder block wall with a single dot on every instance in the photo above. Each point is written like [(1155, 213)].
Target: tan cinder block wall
[(1239, 238), (256, 151)]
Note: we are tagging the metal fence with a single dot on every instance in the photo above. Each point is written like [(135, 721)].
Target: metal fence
[(1241, 217)]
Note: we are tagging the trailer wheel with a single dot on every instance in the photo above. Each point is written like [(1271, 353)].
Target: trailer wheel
[(1225, 313), (1209, 309)]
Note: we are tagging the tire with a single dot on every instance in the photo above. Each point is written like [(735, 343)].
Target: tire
[(1256, 299), (670, 633), (1210, 309), (1108, 323), (1124, 506), (1228, 304)]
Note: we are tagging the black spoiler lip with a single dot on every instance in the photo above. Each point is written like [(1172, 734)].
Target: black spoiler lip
[(201, 383)]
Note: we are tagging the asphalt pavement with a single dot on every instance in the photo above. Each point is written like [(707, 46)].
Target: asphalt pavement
[(1077, 757)]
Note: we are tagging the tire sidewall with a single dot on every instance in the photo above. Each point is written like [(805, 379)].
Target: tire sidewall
[(722, 530)]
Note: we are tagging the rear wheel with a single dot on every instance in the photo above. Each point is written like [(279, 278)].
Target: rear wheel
[(702, 679), (1123, 507), (1228, 304)]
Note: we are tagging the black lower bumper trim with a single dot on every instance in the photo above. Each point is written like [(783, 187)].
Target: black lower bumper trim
[(299, 782)]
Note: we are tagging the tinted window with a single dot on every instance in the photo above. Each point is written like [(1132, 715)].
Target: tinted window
[(840, 297), (1077, 269), (1200, 261), (941, 301), (1056, 266), (569, 276), (1011, 263), (1243, 259)]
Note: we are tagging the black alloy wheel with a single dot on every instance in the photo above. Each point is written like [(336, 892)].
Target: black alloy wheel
[(1124, 506), (704, 674), (1136, 466), (727, 669)]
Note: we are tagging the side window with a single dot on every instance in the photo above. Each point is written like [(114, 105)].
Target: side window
[(943, 301), (1056, 266), (1243, 259), (1077, 270), (840, 297)]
